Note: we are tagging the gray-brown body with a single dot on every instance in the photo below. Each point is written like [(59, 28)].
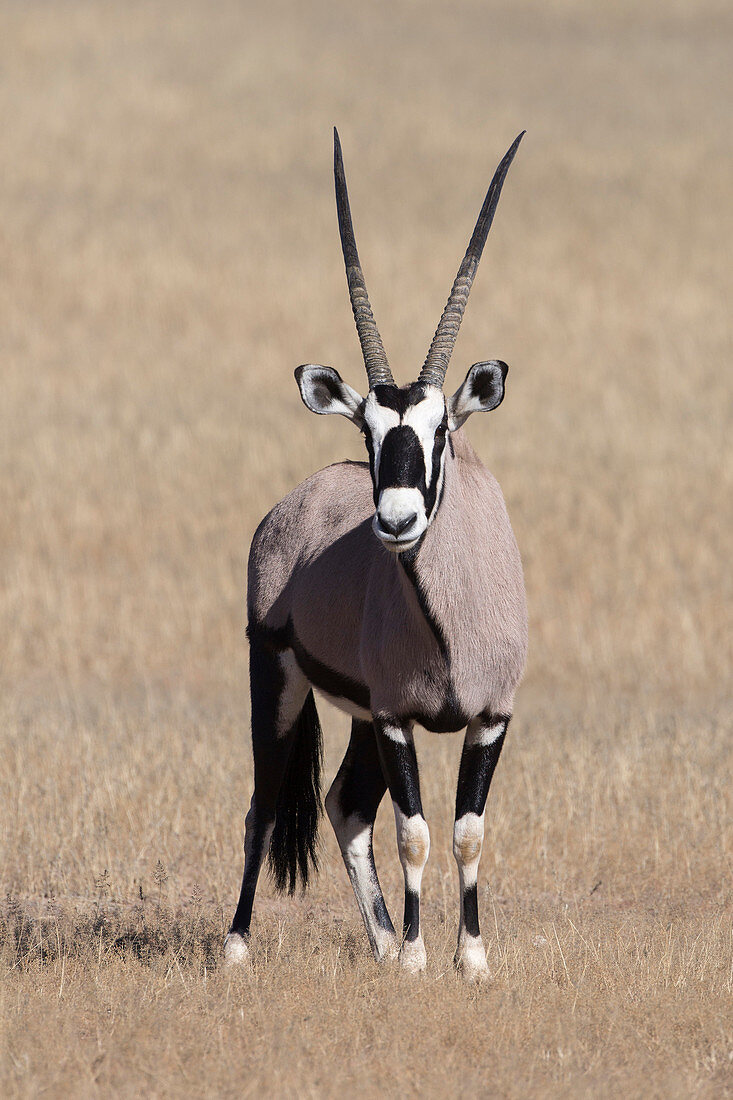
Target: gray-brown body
[(441, 640)]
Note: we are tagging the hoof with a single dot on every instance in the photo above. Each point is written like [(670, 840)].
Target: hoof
[(236, 951), (386, 948), (412, 956), (470, 960)]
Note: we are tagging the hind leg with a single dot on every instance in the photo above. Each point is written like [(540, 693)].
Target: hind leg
[(278, 690), (351, 805)]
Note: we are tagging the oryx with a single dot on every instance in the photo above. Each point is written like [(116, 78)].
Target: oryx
[(395, 589)]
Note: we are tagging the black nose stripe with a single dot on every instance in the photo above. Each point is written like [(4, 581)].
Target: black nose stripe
[(401, 461)]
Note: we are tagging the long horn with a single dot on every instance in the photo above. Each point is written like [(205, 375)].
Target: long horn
[(372, 349), (441, 349)]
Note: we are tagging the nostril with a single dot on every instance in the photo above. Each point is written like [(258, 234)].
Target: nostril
[(407, 522), (397, 526)]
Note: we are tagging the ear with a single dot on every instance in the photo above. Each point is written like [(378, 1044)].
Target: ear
[(324, 391), (482, 391)]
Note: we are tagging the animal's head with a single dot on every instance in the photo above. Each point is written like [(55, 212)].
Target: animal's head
[(406, 428)]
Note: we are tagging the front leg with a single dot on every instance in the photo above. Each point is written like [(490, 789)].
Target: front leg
[(481, 750), (399, 763)]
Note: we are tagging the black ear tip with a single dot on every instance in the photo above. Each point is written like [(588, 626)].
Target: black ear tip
[(488, 366), (316, 370)]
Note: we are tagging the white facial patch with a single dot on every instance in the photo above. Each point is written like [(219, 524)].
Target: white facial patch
[(401, 518), (425, 418), (379, 420)]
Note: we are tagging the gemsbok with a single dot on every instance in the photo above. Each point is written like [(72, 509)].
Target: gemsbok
[(395, 589)]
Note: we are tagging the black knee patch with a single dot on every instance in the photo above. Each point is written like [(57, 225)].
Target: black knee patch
[(476, 771), (399, 763)]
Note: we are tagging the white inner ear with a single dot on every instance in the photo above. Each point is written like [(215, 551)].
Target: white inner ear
[(379, 420), (460, 407), (464, 401), (324, 392)]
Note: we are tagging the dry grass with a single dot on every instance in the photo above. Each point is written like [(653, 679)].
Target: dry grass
[(170, 253)]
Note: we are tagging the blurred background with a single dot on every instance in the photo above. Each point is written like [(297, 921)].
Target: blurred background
[(170, 253)]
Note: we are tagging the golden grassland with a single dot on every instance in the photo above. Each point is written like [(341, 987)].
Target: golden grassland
[(170, 254)]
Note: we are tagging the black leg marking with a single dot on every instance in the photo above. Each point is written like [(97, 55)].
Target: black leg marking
[(256, 840), (470, 910), (411, 922), (399, 762), (362, 783), (352, 805), (481, 751), (379, 908), (476, 771), (271, 688)]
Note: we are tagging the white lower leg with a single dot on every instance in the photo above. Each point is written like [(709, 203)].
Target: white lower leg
[(236, 950), (468, 834), (355, 841), (413, 840)]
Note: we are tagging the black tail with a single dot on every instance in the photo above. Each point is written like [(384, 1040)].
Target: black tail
[(293, 847)]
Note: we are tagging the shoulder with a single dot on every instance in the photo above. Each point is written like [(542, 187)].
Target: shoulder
[(326, 504), (325, 507), (338, 489)]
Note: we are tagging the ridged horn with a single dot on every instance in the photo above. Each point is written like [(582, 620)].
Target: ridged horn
[(441, 349), (372, 349)]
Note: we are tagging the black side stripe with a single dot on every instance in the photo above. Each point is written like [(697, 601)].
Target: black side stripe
[(320, 675), (408, 560), (439, 442)]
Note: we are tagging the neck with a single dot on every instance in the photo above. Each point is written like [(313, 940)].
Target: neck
[(419, 564), (458, 454)]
